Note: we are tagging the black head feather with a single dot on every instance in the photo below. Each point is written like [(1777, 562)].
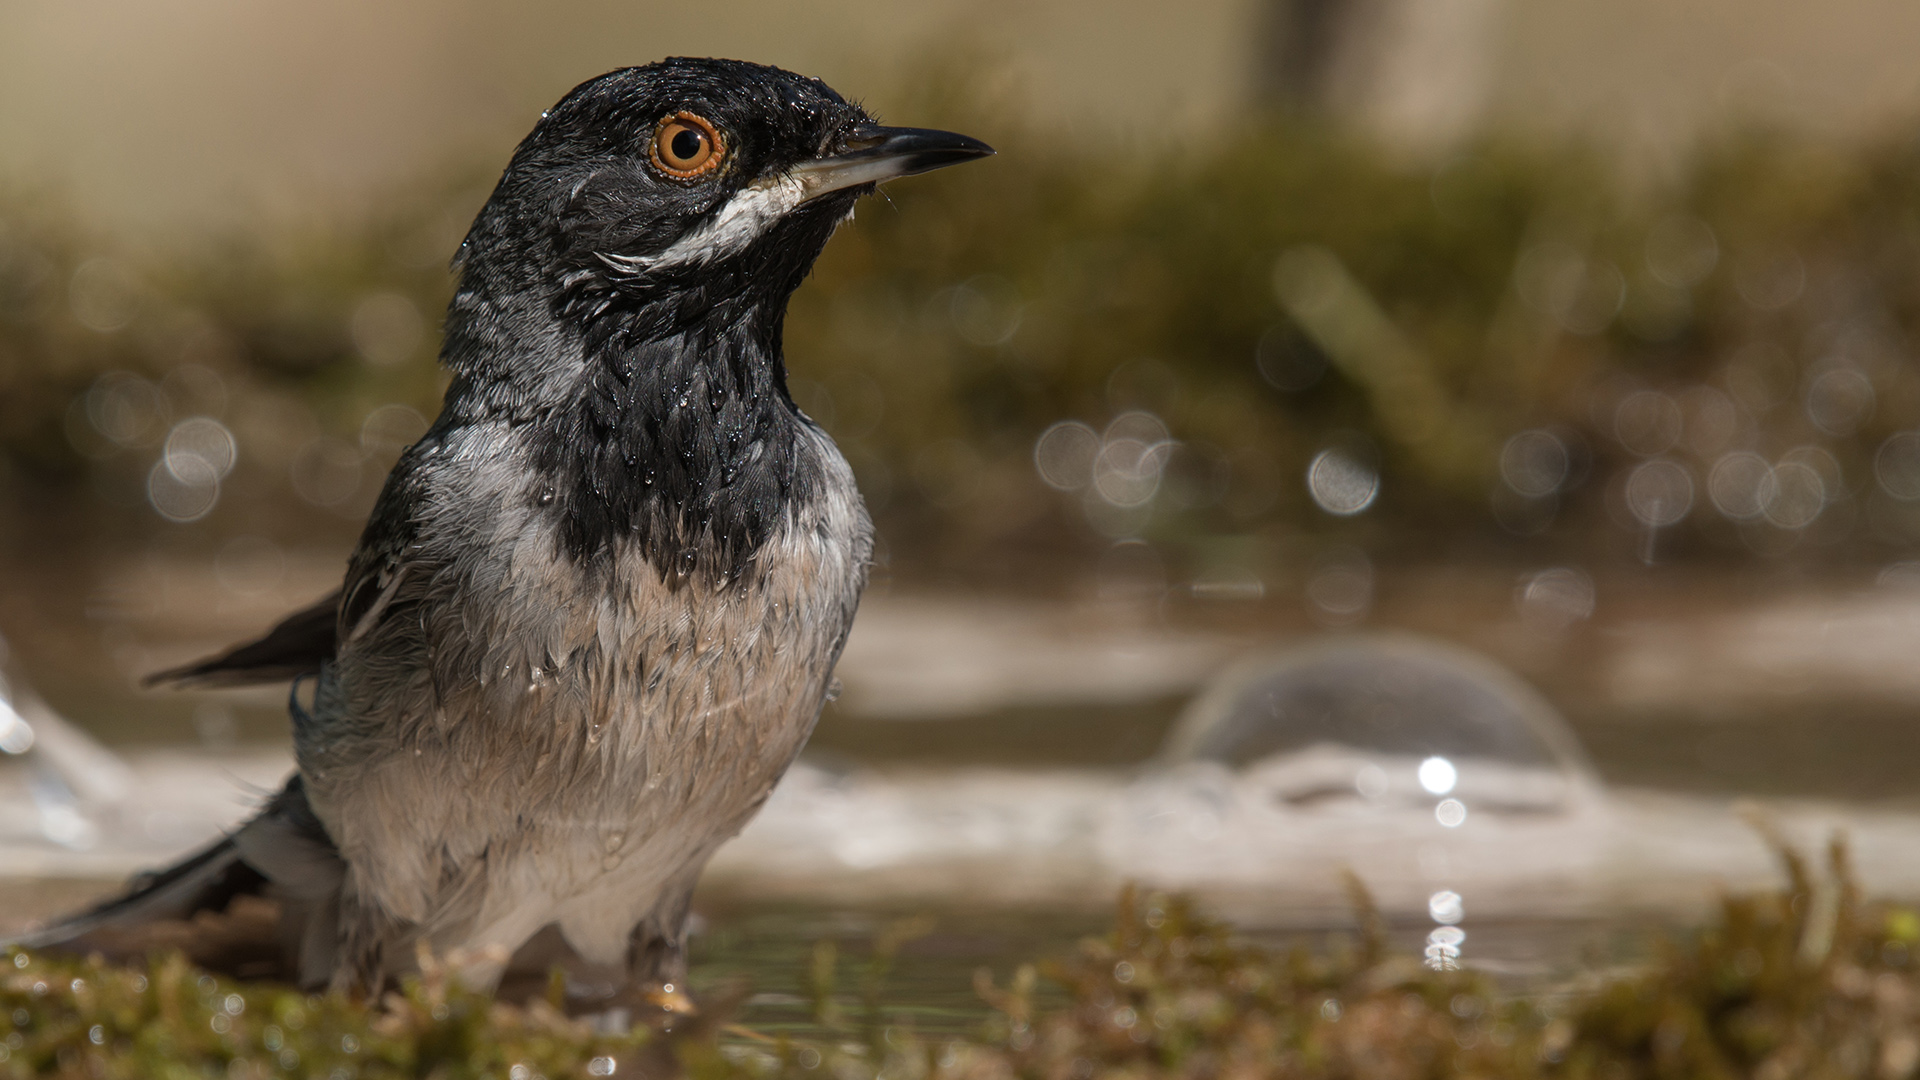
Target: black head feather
[(609, 308)]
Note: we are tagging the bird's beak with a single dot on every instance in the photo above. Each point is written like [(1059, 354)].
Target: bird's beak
[(871, 153)]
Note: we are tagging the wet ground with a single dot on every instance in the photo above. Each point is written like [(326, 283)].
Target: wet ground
[(1683, 697)]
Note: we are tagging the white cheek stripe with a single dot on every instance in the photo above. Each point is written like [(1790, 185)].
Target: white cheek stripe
[(751, 212)]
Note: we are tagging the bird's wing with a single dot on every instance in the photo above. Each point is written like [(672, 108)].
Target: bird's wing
[(297, 646), (282, 854)]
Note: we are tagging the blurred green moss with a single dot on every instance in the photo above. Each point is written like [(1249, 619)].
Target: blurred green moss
[(1506, 288), (1808, 980)]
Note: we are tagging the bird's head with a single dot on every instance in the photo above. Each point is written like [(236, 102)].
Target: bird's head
[(622, 295), (713, 182)]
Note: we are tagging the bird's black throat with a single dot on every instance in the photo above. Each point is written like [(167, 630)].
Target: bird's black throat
[(677, 437)]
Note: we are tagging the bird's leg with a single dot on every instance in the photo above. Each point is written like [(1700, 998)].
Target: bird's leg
[(371, 944), (657, 957)]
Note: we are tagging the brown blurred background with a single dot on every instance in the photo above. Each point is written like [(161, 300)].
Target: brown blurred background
[(1584, 336), (208, 111), (1580, 334)]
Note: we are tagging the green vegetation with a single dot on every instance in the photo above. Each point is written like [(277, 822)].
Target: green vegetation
[(1266, 293), (1808, 981)]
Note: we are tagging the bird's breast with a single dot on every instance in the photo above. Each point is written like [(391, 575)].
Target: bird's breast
[(529, 701)]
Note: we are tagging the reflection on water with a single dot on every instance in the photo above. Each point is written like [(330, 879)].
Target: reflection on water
[(1397, 696), (773, 953), (1451, 789)]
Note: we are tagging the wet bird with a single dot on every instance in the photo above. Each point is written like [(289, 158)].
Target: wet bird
[(596, 610)]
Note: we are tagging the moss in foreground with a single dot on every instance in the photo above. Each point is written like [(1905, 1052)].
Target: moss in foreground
[(1806, 981)]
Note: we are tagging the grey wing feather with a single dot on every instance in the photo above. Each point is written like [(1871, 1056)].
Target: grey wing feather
[(297, 646), (282, 852)]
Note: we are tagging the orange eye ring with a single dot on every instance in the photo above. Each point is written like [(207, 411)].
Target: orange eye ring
[(686, 145)]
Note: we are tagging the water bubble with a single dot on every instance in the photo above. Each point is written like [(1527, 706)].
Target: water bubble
[(16, 735), (1443, 948), (1287, 360), (1738, 485), (1064, 455), (1655, 312), (1555, 599), (1340, 483), (1583, 296), (126, 408), (1770, 280), (63, 823), (327, 471), (1794, 495), (1340, 587), (390, 429), (1897, 465), (1648, 422), (986, 310), (814, 400), (1712, 420), (386, 328), (1370, 781), (183, 490), (1659, 493), (202, 438), (1438, 776), (1197, 476), (1127, 471), (1446, 908), (1681, 251), (195, 386), (1450, 813), (1902, 576), (1522, 515), (1534, 463), (1838, 402), (103, 296), (1229, 583), (1822, 462), (1142, 427)]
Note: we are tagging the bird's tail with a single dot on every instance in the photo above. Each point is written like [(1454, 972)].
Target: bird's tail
[(257, 901), (208, 880)]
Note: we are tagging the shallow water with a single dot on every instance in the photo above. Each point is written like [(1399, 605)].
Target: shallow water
[(767, 952)]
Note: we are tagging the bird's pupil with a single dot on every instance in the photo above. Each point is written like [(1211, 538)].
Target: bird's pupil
[(686, 144)]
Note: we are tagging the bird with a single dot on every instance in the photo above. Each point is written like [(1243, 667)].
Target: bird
[(596, 608)]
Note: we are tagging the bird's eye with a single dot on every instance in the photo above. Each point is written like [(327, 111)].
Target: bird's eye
[(686, 146)]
